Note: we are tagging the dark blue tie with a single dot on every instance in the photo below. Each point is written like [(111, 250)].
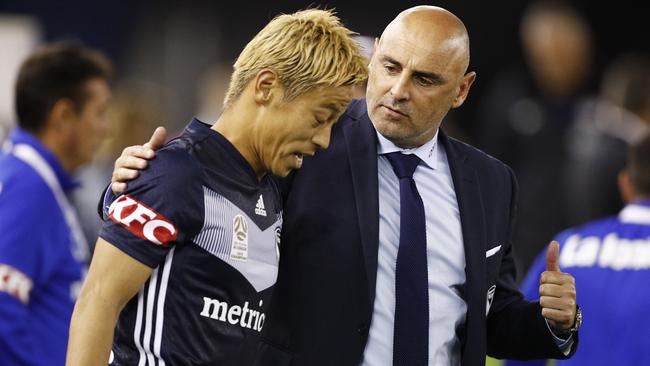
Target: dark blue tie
[(411, 335)]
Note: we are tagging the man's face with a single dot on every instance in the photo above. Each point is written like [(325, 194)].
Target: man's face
[(299, 127), (558, 50), (91, 124), (412, 85)]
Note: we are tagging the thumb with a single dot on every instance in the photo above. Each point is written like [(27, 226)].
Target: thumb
[(552, 256), (158, 138)]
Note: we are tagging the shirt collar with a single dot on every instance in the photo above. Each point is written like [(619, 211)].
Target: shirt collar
[(426, 152), (198, 126), (637, 212), (20, 136)]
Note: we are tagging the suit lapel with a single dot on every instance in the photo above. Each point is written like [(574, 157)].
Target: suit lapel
[(472, 219), (361, 141)]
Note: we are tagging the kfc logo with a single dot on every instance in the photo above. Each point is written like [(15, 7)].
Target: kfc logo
[(142, 221)]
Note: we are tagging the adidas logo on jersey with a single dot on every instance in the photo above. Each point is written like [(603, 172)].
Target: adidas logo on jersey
[(259, 207)]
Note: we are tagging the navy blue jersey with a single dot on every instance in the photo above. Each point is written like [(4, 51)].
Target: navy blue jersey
[(210, 229), (610, 260)]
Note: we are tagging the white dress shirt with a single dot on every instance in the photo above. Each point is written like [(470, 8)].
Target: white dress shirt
[(445, 256)]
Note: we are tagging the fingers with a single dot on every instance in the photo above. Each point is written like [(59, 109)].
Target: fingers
[(556, 278), (134, 159), (119, 178), (118, 188), (130, 162), (157, 140), (557, 293), (565, 291), (552, 256), (122, 175), (558, 319), (138, 151), (557, 303)]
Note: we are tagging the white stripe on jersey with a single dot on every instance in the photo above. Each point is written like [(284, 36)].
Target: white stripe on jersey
[(213, 236), (161, 306), (151, 297), (138, 328), (147, 356)]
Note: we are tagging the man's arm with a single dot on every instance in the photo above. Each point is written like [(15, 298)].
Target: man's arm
[(519, 329), (113, 279)]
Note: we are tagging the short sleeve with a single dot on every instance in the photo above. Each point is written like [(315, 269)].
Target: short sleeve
[(161, 208)]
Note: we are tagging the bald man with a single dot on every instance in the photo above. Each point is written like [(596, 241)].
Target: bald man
[(396, 242)]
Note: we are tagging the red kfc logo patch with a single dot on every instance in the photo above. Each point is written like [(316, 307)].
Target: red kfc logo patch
[(142, 220)]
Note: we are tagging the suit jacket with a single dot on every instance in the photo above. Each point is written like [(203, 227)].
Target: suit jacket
[(323, 301), (322, 305)]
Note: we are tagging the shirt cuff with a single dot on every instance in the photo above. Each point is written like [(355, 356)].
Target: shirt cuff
[(564, 344)]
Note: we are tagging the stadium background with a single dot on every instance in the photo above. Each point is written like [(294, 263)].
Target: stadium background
[(179, 53), (174, 43)]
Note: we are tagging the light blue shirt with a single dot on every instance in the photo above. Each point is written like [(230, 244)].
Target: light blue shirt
[(445, 256)]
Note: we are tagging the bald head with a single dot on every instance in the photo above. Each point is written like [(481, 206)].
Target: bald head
[(432, 28), (417, 73)]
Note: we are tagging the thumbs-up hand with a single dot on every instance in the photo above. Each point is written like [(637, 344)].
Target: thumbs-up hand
[(557, 292)]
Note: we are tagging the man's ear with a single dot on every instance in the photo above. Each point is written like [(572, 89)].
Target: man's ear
[(466, 84), (266, 86), (625, 186), (62, 116)]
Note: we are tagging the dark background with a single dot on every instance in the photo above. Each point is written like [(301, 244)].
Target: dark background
[(158, 40)]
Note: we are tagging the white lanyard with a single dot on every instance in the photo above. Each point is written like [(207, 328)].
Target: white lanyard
[(30, 156)]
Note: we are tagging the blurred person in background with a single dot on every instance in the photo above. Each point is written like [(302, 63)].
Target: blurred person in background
[(135, 110), (597, 141), (610, 259), (61, 97), (184, 270), (526, 113)]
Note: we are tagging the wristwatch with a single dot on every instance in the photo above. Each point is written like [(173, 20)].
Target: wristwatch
[(578, 320)]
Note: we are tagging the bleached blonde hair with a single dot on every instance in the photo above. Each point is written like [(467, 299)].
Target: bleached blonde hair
[(307, 49)]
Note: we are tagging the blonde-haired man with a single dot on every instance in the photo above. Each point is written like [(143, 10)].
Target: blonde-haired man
[(188, 261), (306, 49)]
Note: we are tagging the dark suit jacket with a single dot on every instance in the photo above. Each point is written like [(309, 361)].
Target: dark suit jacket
[(323, 301)]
